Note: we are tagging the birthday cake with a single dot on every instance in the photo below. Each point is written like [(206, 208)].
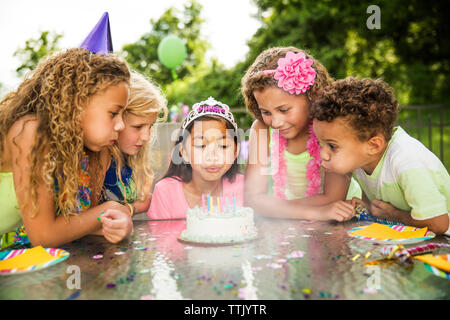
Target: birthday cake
[(214, 226)]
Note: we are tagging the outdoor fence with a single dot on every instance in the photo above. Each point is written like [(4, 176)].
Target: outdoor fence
[(428, 124), (431, 126)]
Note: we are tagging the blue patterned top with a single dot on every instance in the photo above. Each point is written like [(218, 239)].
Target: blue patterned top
[(114, 189)]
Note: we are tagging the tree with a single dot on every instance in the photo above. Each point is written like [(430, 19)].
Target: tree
[(143, 57), (410, 51), (36, 49)]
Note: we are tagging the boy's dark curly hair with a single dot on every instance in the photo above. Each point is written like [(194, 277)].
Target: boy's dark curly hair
[(368, 106)]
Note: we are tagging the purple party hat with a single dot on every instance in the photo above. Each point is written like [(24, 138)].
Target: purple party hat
[(99, 40)]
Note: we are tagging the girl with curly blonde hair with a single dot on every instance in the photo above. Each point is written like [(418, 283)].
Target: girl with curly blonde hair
[(55, 130), (283, 176), (130, 181)]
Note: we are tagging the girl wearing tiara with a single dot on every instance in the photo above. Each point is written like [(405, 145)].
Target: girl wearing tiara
[(204, 163), (278, 89)]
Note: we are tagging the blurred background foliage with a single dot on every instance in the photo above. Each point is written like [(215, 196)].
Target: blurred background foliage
[(411, 50)]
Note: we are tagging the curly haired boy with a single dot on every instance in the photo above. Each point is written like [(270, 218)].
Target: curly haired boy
[(401, 179)]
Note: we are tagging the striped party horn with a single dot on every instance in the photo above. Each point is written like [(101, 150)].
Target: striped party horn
[(404, 254), (362, 214)]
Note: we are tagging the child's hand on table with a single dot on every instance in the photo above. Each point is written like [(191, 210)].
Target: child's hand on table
[(339, 211), (116, 225), (383, 209), (358, 202), (377, 208)]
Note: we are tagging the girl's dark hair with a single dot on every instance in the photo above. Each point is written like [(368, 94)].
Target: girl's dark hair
[(183, 171)]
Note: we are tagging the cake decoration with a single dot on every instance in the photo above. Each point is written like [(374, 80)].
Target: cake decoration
[(219, 224)]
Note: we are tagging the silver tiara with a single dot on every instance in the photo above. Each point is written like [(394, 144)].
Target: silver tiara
[(212, 107)]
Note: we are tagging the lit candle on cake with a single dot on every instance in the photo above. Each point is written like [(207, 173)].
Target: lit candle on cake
[(227, 205), (218, 204), (234, 204), (203, 203), (209, 203)]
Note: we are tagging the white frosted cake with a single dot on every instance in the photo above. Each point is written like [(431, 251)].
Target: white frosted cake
[(219, 227)]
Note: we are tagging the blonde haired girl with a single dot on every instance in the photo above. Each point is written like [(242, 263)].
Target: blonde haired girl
[(131, 180)]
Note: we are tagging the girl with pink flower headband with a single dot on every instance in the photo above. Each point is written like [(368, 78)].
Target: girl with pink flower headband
[(278, 89)]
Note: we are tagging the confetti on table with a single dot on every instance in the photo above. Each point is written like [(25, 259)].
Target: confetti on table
[(356, 257), (285, 243), (247, 293), (144, 271), (274, 265), (74, 295), (305, 236), (147, 297), (98, 256), (152, 239), (119, 253), (321, 294), (110, 285), (188, 248), (261, 256), (370, 290), (141, 248), (306, 290), (295, 254)]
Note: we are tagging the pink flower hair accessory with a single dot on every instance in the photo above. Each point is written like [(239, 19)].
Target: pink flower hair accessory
[(294, 73)]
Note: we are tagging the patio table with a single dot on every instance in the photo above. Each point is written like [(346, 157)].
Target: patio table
[(290, 260)]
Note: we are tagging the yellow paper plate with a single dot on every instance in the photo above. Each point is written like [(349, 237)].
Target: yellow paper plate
[(441, 262), (436, 271), (391, 233), (27, 260)]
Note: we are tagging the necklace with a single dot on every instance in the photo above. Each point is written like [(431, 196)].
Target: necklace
[(312, 168)]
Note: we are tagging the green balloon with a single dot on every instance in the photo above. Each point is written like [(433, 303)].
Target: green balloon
[(171, 52)]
